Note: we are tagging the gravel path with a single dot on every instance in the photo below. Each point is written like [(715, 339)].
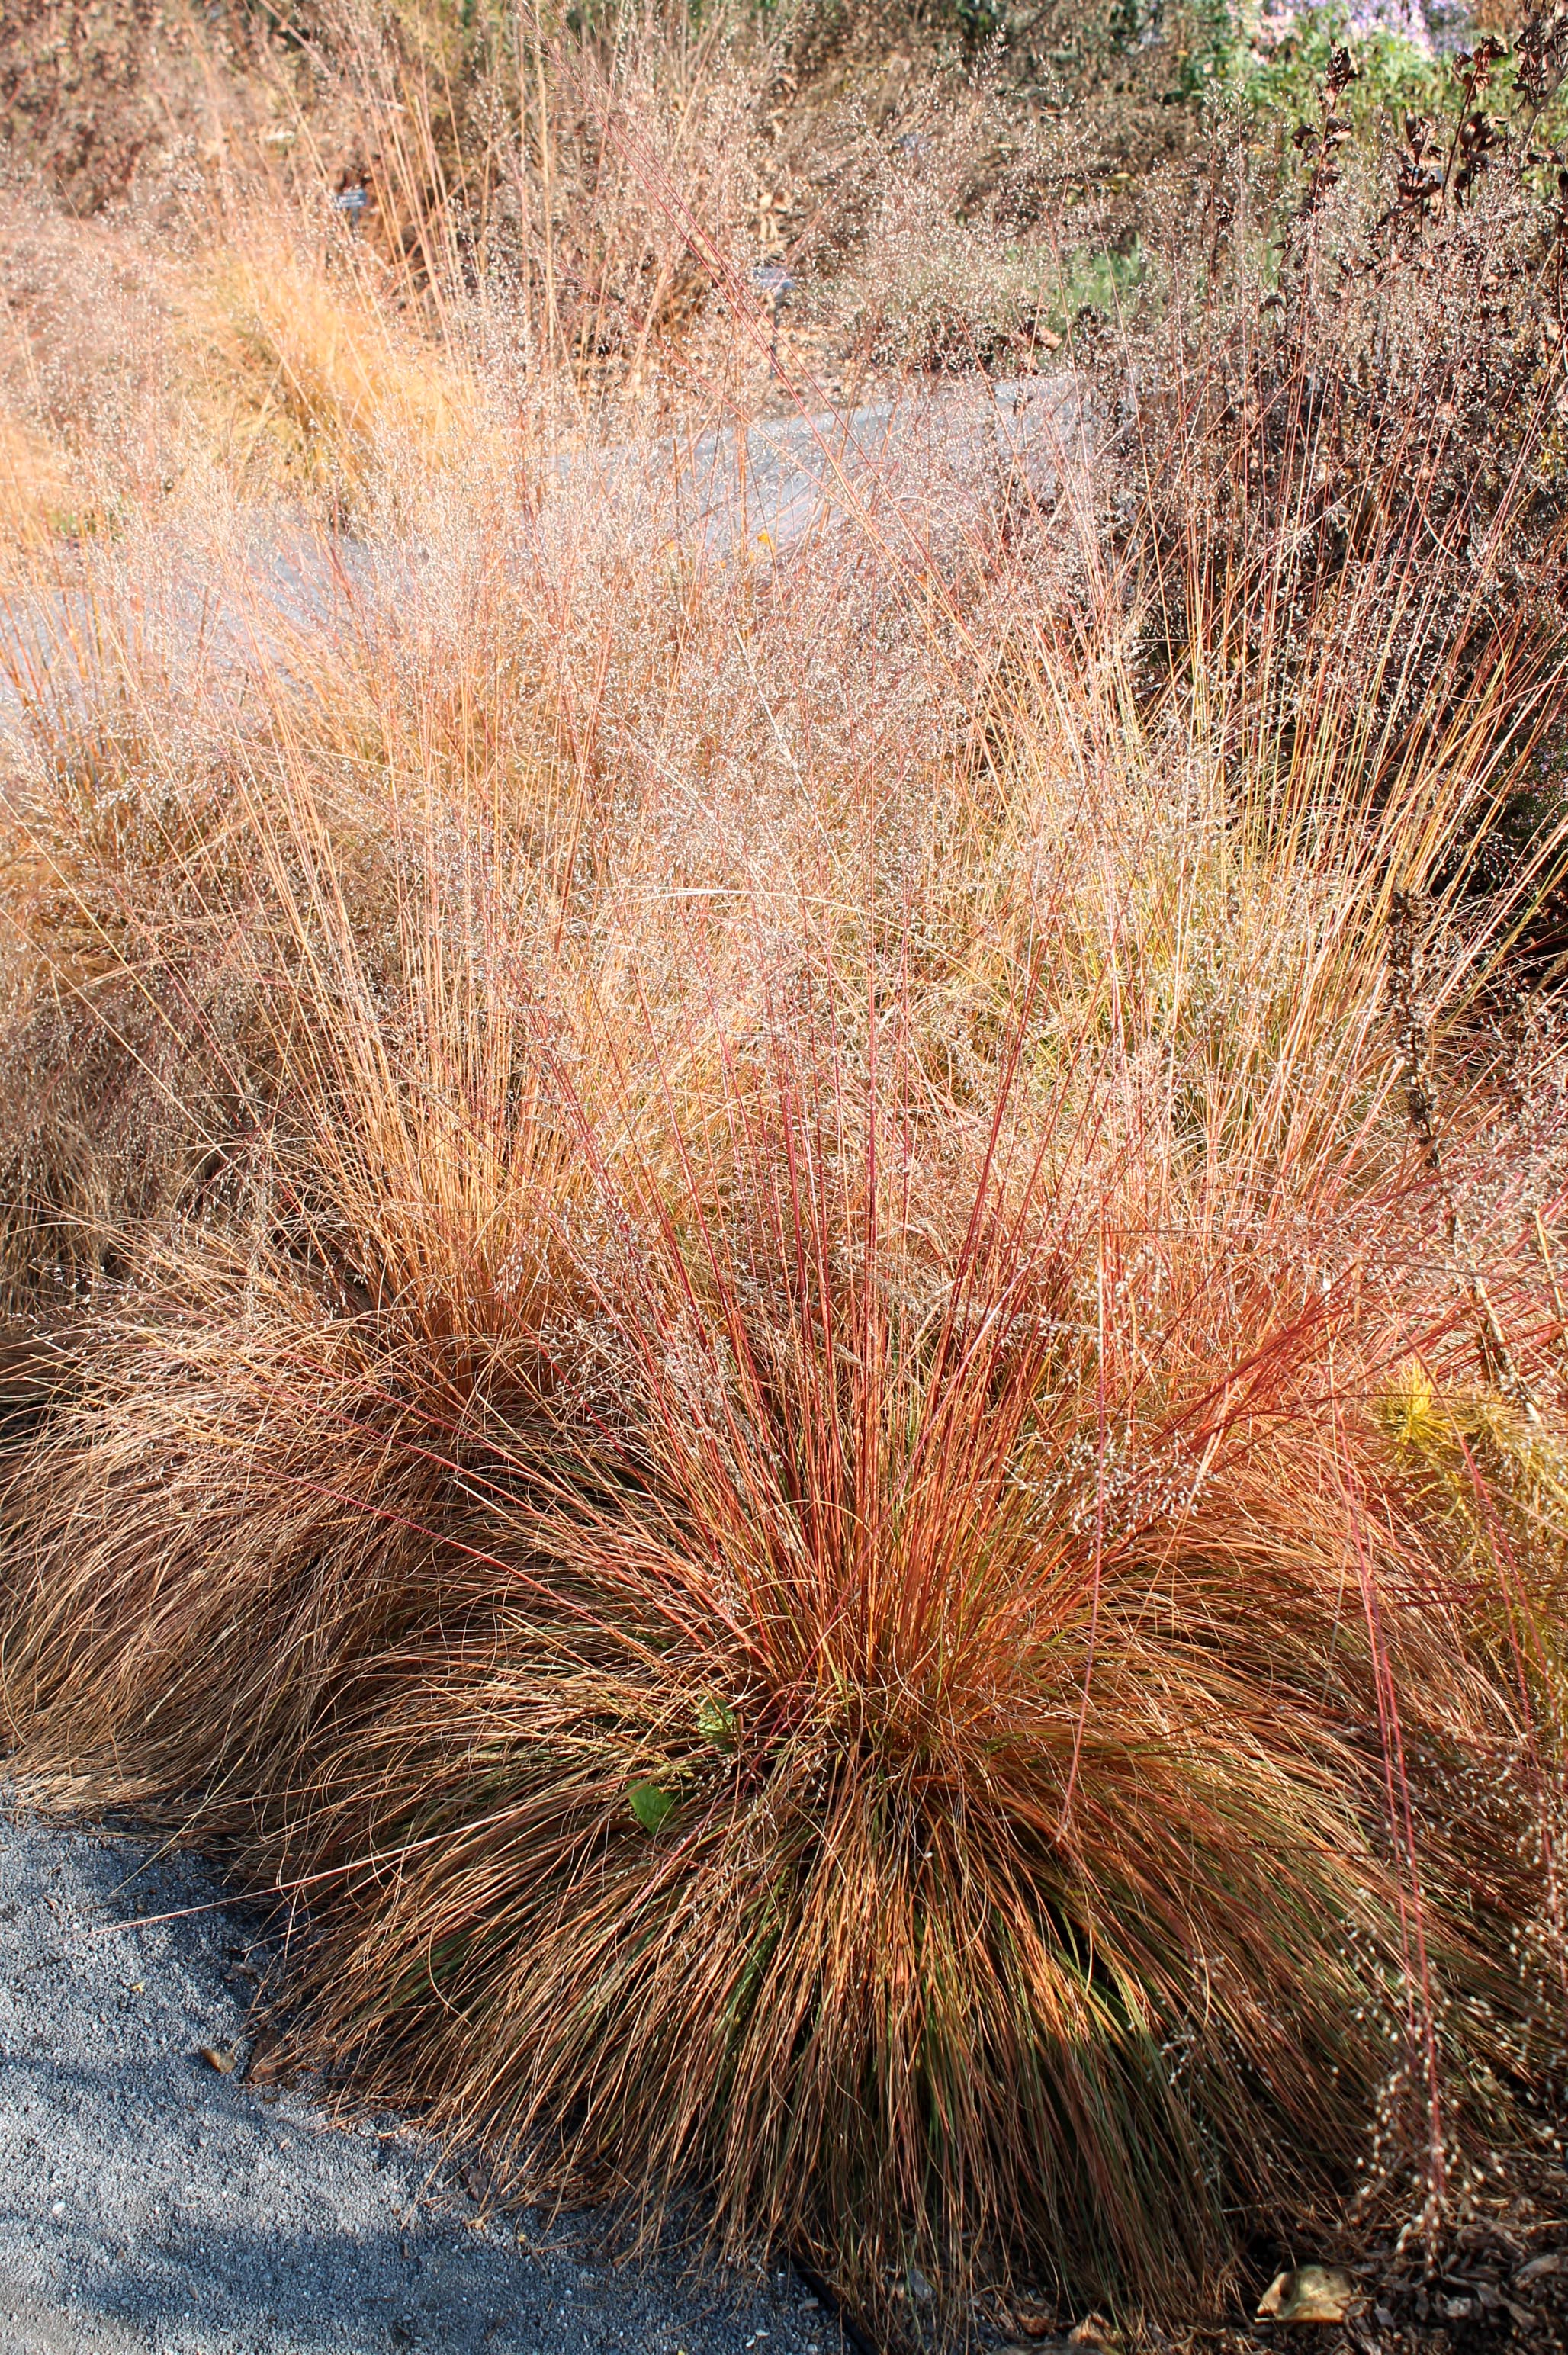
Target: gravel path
[(150, 2205)]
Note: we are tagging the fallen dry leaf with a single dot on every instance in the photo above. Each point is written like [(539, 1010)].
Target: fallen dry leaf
[(1310, 2294), (265, 2056)]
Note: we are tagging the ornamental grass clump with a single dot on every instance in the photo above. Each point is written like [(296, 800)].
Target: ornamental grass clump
[(802, 1532)]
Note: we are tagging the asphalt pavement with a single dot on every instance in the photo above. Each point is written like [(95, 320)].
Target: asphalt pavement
[(152, 2204)]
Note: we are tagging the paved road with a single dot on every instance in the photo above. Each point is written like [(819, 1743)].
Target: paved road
[(913, 473), (926, 457), (150, 2206)]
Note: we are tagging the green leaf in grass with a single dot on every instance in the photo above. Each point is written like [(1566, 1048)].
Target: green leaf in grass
[(650, 1805), (716, 1723)]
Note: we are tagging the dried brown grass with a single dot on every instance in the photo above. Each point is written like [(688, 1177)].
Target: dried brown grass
[(805, 1345)]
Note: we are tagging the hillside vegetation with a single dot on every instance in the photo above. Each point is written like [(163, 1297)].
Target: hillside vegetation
[(787, 1309)]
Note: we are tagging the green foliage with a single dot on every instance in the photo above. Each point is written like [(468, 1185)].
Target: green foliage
[(1210, 49), (1286, 81), (1099, 279), (1395, 78), (716, 1723), (651, 1805)]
